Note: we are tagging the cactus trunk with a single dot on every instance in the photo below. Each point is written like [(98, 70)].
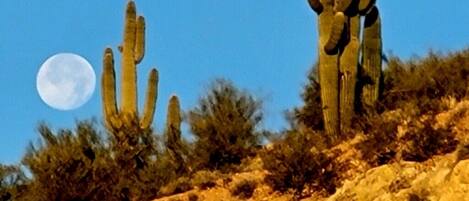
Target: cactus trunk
[(371, 58), (348, 72), (328, 73), (129, 75)]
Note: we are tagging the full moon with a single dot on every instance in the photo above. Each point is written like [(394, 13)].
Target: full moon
[(66, 81)]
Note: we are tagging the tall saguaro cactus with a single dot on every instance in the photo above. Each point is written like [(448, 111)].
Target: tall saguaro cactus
[(339, 44), (132, 49)]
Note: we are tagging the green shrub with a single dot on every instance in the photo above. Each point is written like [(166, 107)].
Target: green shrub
[(380, 145), (295, 163), (80, 165), (224, 124), (12, 182), (423, 141), (423, 81), (67, 166), (244, 189), (418, 140), (193, 197)]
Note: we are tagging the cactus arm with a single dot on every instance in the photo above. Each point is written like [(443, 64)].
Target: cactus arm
[(348, 72), (336, 33), (328, 74), (371, 57), (150, 102), (365, 6), (108, 89), (140, 39), (316, 6), (129, 76)]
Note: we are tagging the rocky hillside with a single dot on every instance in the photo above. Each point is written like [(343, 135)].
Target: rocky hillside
[(442, 177)]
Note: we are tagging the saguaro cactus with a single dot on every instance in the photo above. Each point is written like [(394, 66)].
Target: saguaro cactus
[(371, 58), (173, 140), (339, 43), (132, 49)]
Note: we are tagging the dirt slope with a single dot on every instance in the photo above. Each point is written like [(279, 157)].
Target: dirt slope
[(442, 178)]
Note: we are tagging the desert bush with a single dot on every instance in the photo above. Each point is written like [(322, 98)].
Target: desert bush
[(422, 141), (224, 124), (423, 81), (416, 140), (295, 163), (80, 165), (193, 197), (244, 189), (67, 166), (380, 145), (12, 182), (203, 180)]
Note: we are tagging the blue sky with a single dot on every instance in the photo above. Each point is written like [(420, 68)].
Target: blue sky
[(265, 46)]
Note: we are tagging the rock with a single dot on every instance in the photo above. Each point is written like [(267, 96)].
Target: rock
[(461, 172), (372, 185), (436, 181)]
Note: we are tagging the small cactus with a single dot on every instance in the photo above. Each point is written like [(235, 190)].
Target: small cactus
[(173, 121), (132, 50), (173, 140)]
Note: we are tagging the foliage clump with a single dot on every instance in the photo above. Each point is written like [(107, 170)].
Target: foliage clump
[(224, 125), (423, 141), (310, 114), (12, 182), (244, 189), (424, 81), (80, 165), (381, 143), (409, 137), (296, 163)]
